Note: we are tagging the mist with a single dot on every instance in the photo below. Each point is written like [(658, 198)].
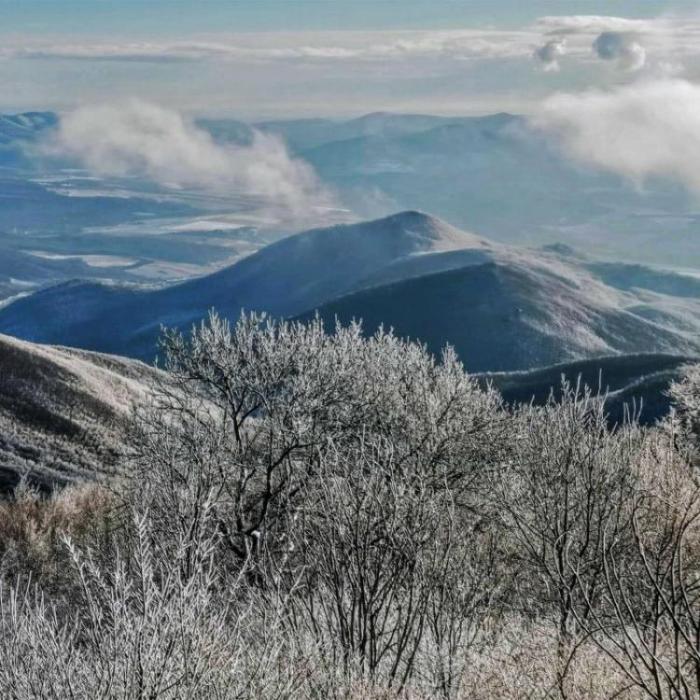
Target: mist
[(641, 130), (144, 140)]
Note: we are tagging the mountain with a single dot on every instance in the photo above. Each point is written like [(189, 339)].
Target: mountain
[(19, 130), (304, 134), (635, 383), (301, 135), (499, 174), (511, 313), (284, 279), (63, 413), (503, 308), (25, 126)]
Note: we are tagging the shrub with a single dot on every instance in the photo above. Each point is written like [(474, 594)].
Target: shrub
[(319, 514)]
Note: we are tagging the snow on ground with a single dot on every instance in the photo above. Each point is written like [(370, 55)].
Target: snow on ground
[(91, 260)]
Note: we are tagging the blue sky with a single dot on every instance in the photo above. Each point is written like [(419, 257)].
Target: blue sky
[(159, 17), (277, 58)]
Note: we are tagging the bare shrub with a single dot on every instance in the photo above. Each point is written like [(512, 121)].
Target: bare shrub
[(142, 630), (32, 527), (251, 409), (568, 475), (647, 617), (324, 515), (395, 584)]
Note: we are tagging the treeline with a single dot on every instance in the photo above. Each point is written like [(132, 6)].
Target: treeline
[(315, 515)]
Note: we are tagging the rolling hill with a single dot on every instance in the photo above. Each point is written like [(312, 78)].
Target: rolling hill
[(284, 279), (63, 413)]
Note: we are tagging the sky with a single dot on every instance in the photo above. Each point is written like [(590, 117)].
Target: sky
[(262, 59)]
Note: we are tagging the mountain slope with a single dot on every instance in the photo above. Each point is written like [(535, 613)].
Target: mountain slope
[(285, 278), (63, 413), (631, 383), (510, 314), (504, 308)]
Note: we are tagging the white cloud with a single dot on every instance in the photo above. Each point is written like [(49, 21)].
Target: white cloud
[(550, 53), (299, 46), (622, 48), (631, 44), (595, 24), (650, 128), (148, 141)]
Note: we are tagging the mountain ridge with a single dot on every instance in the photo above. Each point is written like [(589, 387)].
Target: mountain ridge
[(505, 308)]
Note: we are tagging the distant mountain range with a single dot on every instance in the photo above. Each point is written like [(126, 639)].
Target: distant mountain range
[(64, 413), (494, 174), (503, 308)]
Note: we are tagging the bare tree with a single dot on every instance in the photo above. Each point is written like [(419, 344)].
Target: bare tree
[(685, 417), (569, 478), (646, 616)]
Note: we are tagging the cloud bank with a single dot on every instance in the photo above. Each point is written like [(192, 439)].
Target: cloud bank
[(300, 46), (627, 43), (646, 129), (597, 24), (138, 139)]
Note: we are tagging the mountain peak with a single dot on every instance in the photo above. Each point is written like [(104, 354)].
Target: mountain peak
[(412, 216), (419, 226)]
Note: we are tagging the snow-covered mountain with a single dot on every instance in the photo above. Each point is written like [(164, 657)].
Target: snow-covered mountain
[(285, 278), (513, 312), (503, 308)]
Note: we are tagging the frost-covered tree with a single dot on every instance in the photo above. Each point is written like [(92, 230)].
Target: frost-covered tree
[(248, 412), (685, 420), (310, 513)]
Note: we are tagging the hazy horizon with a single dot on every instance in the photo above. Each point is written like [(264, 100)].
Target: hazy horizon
[(309, 58)]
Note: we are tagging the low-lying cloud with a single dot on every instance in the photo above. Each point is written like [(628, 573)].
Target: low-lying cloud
[(139, 139), (622, 48), (646, 129), (595, 24)]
